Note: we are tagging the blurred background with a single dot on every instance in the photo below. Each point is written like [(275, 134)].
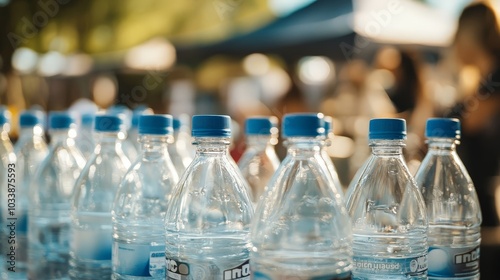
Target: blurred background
[(351, 59)]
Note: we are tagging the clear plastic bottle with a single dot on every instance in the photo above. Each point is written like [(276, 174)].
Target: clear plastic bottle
[(7, 182), (208, 219), (324, 154), (179, 150), (128, 143), (302, 229), (50, 201), (141, 203), (85, 136), (259, 161), (452, 206), (30, 151), (387, 211), (95, 189), (133, 132)]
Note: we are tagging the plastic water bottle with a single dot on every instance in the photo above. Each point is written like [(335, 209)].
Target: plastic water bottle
[(7, 182), (324, 154), (141, 203), (128, 143), (95, 189), (178, 150), (50, 201), (133, 132), (387, 211), (30, 150), (452, 206), (259, 161), (302, 229), (85, 136), (208, 219)]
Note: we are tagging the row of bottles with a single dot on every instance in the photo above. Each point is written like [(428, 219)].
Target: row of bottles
[(67, 203), (262, 219)]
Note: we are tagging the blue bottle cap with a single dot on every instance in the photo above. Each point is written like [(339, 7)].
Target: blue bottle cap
[(60, 120), (442, 128), (4, 116), (303, 125), (328, 124), (87, 119), (156, 124), (31, 118), (260, 125), (387, 129), (211, 126), (177, 124), (108, 123)]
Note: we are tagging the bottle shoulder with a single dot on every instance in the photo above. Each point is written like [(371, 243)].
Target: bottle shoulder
[(96, 186), (302, 196), (212, 192), (448, 191), (386, 198), (262, 159), (146, 180)]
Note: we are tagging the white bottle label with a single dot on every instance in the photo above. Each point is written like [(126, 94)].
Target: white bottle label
[(409, 267), (453, 262), (139, 259), (177, 270)]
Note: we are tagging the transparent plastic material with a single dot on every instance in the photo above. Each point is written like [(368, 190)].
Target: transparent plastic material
[(95, 189), (139, 212), (85, 140), (50, 205), (258, 163), (179, 153), (330, 165), (208, 219), (453, 212), (302, 229), (30, 151), (7, 181), (129, 146), (128, 142), (388, 217)]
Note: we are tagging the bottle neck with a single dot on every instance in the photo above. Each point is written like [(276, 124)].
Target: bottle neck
[(442, 144), (151, 143), (328, 139), (62, 136), (30, 132), (260, 142), (212, 146), (86, 128), (106, 139), (387, 147), (304, 145)]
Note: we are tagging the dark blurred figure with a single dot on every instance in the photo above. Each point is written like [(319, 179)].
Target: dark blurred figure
[(407, 95), (477, 44), (406, 87)]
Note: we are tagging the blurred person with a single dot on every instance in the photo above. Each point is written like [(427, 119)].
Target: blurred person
[(477, 44), (406, 92), (358, 97)]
